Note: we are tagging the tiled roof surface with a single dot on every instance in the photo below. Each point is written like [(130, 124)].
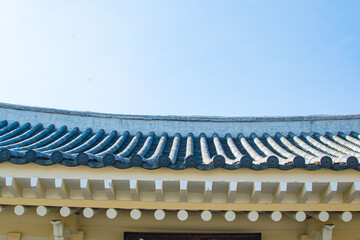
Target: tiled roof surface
[(47, 145)]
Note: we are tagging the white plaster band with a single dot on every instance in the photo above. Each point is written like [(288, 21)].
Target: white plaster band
[(172, 124), (206, 215), (135, 214), (182, 215), (111, 213), (159, 214)]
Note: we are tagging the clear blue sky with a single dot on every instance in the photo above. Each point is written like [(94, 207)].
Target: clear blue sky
[(227, 58)]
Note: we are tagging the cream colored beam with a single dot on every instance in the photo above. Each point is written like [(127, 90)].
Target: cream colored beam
[(280, 192), (326, 232), (72, 223), (77, 236), (62, 188), (183, 190), (208, 191), (134, 189), (59, 230), (190, 174), (232, 192), (255, 192), (305, 237), (14, 236), (109, 189), (5, 208), (314, 233), (356, 214), (86, 189), (13, 186), (312, 230), (128, 204), (159, 190), (305, 192), (352, 192), (329, 192), (37, 187)]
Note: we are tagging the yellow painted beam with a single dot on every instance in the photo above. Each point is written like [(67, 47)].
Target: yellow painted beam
[(14, 236), (179, 205), (191, 174)]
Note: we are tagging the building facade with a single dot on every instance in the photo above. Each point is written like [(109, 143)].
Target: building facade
[(81, 175)]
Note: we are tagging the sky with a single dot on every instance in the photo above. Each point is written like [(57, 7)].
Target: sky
[(182, 57)]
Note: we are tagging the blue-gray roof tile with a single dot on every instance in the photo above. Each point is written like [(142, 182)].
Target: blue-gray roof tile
[(211, 142), (25, 143)]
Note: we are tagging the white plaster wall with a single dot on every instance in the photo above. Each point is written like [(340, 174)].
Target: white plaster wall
[(183, 125)]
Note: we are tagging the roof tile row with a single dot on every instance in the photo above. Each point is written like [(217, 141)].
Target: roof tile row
[(25, 143)]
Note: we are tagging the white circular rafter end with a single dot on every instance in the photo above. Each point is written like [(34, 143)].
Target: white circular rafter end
[(111, 213), (300, 216), (65, 211), (135, 214), (230, 216), (42, 211), (182, 215), (323, 216), (159, 214), (346, 216), (88, 212), (253, 216), (206, 215), (19, 210), (276, 216)]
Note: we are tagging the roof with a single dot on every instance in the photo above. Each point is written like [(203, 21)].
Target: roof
[(50, 136)]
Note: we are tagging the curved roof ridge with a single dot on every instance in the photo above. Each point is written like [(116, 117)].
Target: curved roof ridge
[(180, 118)]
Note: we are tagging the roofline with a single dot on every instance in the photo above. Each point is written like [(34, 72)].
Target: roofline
[(180, 118)]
